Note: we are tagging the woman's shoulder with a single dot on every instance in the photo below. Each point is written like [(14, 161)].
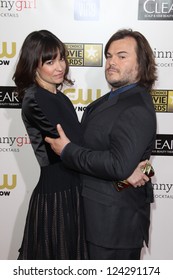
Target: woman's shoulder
[(35, 93), (29, 99), (29, 93)]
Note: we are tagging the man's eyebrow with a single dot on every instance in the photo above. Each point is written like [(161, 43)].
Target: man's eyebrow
[(120, 52)]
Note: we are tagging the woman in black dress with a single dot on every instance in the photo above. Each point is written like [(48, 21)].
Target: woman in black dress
[(54, 226)]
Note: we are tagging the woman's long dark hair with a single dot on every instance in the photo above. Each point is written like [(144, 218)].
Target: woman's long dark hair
[(38, 45), (145, 57)]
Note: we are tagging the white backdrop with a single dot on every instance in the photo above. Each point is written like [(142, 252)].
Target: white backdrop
[(87, 24)]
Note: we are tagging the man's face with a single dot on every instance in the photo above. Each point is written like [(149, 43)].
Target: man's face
[(121, 63)]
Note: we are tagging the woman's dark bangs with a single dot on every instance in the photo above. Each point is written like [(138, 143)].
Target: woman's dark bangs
[(50, 51)]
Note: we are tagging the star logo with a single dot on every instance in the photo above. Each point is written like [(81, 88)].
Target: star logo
[(84, 55), (170, 101), (93, 54), (171, 97)]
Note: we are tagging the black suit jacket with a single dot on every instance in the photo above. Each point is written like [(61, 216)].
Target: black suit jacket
[(118, 134)]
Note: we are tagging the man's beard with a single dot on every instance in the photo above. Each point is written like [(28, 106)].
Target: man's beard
[(118, 84)]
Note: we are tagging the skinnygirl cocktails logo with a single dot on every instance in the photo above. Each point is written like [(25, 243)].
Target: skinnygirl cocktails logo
[(15, 8), (163, 190), (13, 143)]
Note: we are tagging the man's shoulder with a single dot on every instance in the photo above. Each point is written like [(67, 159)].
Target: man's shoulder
[(99, 100)]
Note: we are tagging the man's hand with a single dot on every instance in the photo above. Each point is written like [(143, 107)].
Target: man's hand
[(138, 178), (58, 144)]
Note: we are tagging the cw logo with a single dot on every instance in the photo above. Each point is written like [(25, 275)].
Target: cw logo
[(5, 52), (6, 184), (80, 99)]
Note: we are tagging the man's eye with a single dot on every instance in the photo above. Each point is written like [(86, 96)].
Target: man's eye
[(122, 57)]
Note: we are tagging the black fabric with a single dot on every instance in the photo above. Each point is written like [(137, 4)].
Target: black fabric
[(54, 227), (100, 253), (117, 134), (55, 224)]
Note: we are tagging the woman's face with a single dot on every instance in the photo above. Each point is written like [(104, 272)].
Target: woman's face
[(51, 72)]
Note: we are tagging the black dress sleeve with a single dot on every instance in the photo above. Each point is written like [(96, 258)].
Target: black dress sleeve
[(38, 126), (32, 113)]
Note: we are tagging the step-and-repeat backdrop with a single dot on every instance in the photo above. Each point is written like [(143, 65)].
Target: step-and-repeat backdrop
[(84, 26)]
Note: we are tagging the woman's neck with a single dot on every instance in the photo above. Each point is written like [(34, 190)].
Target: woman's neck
[(50, 87)]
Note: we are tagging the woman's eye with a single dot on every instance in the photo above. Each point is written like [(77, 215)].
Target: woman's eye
[(49, 62)]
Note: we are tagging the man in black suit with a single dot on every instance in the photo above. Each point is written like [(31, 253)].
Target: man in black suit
[(119, 132)]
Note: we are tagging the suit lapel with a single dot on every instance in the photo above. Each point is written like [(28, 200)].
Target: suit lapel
[(91, 107), (97, 106), (104, 103)]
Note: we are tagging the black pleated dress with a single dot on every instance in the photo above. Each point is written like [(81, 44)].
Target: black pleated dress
[(54, 228)]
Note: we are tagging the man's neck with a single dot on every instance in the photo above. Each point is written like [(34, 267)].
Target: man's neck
[(125, 86)]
